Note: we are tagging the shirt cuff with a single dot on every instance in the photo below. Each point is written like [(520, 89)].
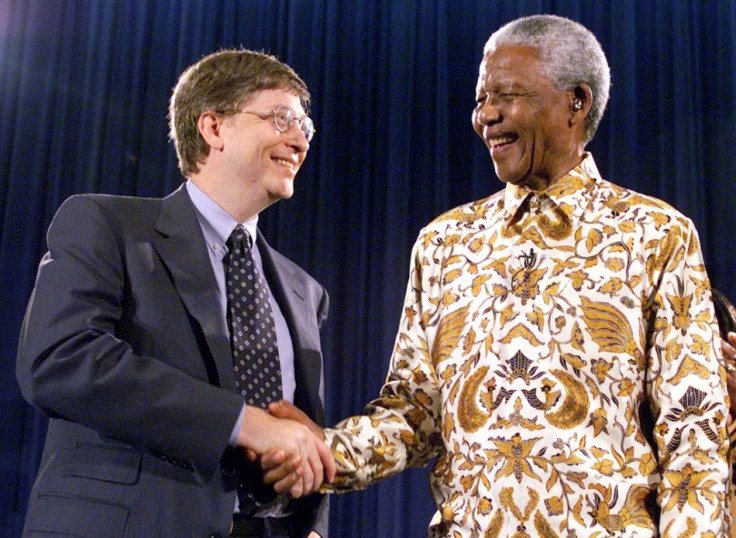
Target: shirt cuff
[(236, 428)]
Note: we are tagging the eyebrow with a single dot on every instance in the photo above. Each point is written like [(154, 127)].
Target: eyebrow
[(502, 85)]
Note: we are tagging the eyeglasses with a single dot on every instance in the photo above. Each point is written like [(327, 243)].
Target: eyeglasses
[(283, 119)]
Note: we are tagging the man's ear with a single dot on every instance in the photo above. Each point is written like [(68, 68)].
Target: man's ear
[(581, 99), (210, 128)]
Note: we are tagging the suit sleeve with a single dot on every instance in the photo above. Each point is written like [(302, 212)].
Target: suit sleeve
[(322, 519), (72, 365)]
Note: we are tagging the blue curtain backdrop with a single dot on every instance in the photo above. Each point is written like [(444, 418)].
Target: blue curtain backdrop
[(83, 94)]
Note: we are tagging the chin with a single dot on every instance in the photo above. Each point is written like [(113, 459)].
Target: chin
[(282, 194), (503, 178)]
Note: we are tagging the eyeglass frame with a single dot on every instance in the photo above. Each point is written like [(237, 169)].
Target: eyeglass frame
[(308, 132)]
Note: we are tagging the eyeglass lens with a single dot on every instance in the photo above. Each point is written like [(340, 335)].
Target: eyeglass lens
[(283, 117)]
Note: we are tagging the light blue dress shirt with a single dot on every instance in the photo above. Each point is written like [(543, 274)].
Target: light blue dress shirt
[(217, 225)]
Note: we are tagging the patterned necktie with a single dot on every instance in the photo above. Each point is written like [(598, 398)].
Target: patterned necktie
[(252, 329)]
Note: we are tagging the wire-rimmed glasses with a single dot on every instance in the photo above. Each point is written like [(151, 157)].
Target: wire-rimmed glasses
[(284, 119)]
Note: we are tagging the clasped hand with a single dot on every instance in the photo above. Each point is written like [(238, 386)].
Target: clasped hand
[(290, 448)]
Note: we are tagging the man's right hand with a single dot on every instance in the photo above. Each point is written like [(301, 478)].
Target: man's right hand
[(279, 471), (287, 445)]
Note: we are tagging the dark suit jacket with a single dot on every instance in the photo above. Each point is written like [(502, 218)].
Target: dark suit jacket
[(125, 348)]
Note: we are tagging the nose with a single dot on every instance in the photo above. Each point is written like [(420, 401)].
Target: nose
[(297, 139), (487, 113)]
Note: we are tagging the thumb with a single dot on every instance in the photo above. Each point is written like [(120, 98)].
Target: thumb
[(285, 409)]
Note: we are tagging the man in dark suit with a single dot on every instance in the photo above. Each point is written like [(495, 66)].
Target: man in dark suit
[(126, 344)]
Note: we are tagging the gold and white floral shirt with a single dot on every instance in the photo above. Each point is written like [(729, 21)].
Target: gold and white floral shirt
[(536, 328)]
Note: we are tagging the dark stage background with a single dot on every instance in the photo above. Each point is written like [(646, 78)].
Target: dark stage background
[(83, 94)]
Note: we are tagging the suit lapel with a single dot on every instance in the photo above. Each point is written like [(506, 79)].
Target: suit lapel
[(289, 290), (183, 250)]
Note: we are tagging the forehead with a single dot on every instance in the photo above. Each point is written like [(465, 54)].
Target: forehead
[(512, 65), (270, 99)]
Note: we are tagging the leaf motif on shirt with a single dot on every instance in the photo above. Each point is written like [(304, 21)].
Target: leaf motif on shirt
[(627, 226), (573, 360), (427, 239), (577, 512), (451, 275), (672, 350), (525, 283), (608, 231), (451, 239), (499, 290), (533, 235), (608, 327), (448, 425), (508, 314), (551, 292), (615, 264), (660, 218), (667, 248), (499, 266), (577, 278), (478, 283), (488, 342), (676, 260), (574, 408), (703, 319), (520, 331), (700, 346), (448, 334), (612, 287), (495, 526), (681, 307), (594, 238), (577, 339), (451, 260), (469, 415), (448, 298), (693, 246), (536, 317), (475, 245), (468, 341), (638, 199), (561, 265), (466, 214)]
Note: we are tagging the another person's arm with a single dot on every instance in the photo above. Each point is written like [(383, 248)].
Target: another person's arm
[(400, 428), (728, 347)]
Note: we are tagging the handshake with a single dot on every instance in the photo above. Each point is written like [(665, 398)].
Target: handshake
[(290, 448)]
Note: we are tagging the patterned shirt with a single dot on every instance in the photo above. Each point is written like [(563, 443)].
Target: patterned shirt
[(539, 331)]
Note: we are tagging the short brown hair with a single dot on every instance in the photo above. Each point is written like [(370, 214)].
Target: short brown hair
[(222, 82)]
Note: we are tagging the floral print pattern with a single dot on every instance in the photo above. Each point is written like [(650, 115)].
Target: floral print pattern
[(539, 331)]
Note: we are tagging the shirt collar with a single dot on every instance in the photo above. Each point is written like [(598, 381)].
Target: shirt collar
[(572, 190), (216, 223)]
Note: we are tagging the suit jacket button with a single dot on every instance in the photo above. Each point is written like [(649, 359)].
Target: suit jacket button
[(215, 535)]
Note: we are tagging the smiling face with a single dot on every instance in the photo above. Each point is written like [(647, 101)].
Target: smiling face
[(524, 120), (258, 158)]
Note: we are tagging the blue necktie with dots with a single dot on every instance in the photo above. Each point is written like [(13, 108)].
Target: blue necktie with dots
[(252, 329)]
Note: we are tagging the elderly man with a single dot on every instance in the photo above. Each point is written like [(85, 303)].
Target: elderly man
[(539, 323)]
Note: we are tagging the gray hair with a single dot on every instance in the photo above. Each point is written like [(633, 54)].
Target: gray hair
[(570, 52)]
